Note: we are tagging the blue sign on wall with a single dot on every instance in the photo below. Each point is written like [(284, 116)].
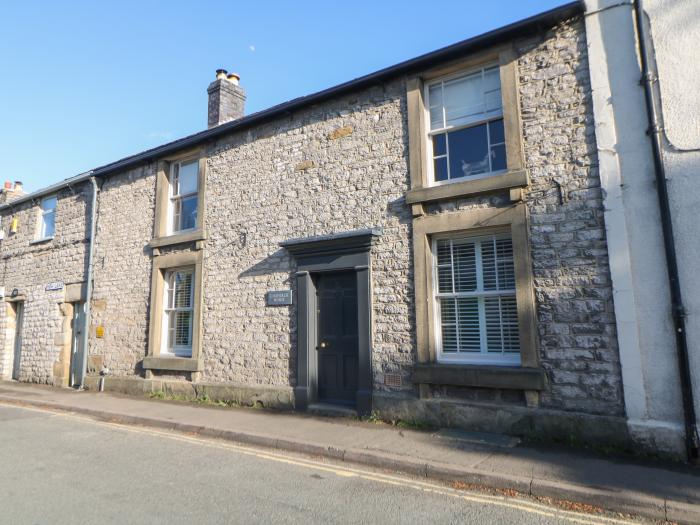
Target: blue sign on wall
[(279, 298)]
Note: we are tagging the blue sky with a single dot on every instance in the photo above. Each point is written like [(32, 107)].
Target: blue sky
[(86, 83)]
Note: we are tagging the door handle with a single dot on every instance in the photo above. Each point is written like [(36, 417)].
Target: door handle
[(322, 345)]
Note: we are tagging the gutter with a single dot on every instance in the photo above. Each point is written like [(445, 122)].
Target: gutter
[(649, 79), (67, 183), (525, 27), (88, 292)]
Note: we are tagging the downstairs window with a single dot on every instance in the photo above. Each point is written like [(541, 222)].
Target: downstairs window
[(179, 312), (476, 310)]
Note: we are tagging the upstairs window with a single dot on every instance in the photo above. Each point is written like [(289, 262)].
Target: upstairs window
[(47, 226), (466, 125), (184, 190), (179, 312), (475, 300)]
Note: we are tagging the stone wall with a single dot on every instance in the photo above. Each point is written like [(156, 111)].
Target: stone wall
[(29, 267), (122, 274), (226, 102), (575, 313), (7, 335), (338, 166), (569, 251)]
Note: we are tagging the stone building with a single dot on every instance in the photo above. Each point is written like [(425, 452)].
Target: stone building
[(427, 242)]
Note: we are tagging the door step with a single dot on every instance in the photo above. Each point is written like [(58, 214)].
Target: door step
[(330, 410)]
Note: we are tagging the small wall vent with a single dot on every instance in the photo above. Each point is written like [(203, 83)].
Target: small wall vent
[(392, 379)]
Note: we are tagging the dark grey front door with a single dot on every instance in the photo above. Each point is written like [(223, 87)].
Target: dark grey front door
[(337, 337), (19, 321), (76, 355)]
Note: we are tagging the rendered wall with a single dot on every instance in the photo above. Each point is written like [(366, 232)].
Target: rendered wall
[(642, 298)]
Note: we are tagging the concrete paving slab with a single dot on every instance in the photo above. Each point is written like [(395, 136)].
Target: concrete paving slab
[(476, 438)]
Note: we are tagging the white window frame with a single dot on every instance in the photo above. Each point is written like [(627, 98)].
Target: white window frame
[(41, 231), (483, 357), (430, 157), (168, 310), (173, 198)]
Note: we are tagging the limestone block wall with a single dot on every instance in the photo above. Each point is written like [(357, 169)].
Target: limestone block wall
[(29, 267), (575, 311), (569, 251), (7, 335), (122, 274), (336, 167)]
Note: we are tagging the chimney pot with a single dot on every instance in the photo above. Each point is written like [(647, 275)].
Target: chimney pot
[(226, 98), (11, 192)]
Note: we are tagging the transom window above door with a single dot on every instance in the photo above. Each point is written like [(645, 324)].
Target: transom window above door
[(184, 195), (466, 125)]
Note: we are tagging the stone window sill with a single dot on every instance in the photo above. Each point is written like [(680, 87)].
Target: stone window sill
[(178, 238), (466, 188), (45, 240), (178, 364), (512, 378)]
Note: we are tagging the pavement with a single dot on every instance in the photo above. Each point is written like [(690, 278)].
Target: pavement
[(661, 491)]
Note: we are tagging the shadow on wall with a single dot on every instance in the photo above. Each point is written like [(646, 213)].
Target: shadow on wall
[(279, 262), (276, 262)]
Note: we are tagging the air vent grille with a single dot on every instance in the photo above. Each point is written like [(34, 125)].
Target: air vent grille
[(392, 379)]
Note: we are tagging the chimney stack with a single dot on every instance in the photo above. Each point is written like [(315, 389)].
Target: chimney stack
[(226, 98), (11, 192)]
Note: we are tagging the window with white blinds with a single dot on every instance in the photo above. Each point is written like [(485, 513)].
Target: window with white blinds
[(475, 300), (179, 312)]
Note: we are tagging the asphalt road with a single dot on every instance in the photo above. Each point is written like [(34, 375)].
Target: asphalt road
[(57, 468)]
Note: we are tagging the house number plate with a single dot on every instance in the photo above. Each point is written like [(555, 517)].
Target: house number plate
[(278, 298)]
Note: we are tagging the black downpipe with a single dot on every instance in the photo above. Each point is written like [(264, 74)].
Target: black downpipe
[(678, 312)]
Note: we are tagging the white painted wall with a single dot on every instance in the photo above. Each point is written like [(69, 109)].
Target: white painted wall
[(635, 241), (675, 33)]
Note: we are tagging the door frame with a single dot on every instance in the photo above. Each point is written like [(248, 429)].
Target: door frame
[(348, 251), (75, 359), (18, 306)]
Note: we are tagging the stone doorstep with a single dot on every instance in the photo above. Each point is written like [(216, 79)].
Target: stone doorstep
[(615, 501), (329, 410)]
